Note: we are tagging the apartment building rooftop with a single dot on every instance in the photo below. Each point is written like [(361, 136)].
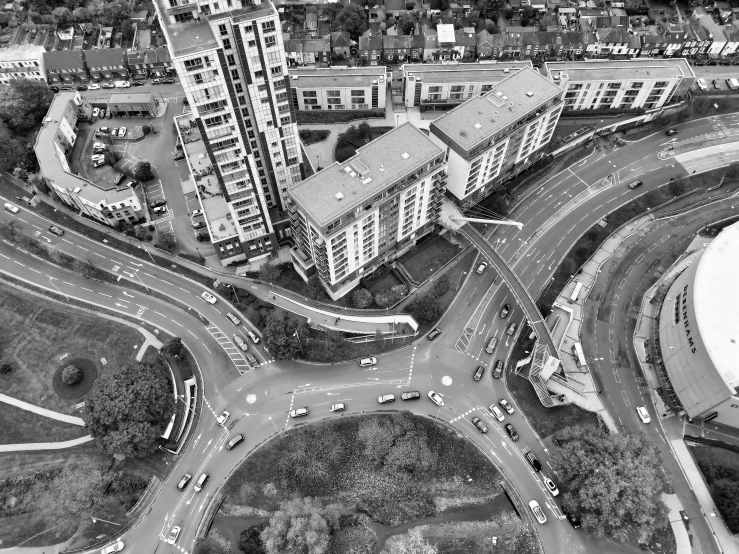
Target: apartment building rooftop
[(54, 165), (509, 100), (130, 97), (343, 187), (467, 72), (619, 70), (336, 77), (187, 37), (21, 53)]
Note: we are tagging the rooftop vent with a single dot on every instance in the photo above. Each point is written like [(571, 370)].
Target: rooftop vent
[(367, 181), (339, 196), (405, 155), (478, 126), (382, 167), (529, 94)]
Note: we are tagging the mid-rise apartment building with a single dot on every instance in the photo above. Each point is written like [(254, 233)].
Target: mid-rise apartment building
[(100, 200), (340, 88), (230, 59), (437, 86), (22, 56), (492, 138), (638, 83), (352, 217)]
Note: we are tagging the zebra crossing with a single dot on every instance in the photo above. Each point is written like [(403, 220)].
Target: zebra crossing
[(230, 349)]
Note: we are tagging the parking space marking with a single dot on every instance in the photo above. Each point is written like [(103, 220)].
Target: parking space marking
[(230, 349)]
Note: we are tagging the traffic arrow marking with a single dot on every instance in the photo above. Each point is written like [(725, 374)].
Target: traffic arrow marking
[(121, 305)]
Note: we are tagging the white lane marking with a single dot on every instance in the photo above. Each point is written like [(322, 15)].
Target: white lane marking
[(173, 321), (109, 296), (36, 270)]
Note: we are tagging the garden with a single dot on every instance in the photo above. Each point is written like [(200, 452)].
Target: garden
[(720, 468), (355, 137)]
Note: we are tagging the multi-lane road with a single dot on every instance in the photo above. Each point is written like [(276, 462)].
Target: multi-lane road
[(260, 398)]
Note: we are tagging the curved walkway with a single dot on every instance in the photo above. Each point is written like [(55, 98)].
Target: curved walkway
[(42, 411), (44, 445)]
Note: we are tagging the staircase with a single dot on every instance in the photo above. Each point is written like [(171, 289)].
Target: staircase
[(404, 275)]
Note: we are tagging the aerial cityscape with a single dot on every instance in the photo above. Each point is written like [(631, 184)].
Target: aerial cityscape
[(336, 277)]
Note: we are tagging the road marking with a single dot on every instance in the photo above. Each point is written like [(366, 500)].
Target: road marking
[(208, 349), (173, 321), (615, 375), (193, 334), (166, 283), (4, 256), (109, 296), (70, 284), (20, 264), (626, 400), (36, 270), (86, 289), (98, 254)]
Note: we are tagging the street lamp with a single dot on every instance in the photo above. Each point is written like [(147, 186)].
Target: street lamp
[(150, 256), (96, 519), (275, 426)]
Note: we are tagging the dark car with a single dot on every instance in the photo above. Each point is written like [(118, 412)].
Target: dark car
[(158, 203), (410, 395), (168, 81), (119, 178), (505, 310), (498, 371), (671, 132), (511, 432), (56, 230), (234, 441), (699, 62), (478, 373), (178, 156), (66, 88), (435, 333), (137, 84), (725, 62), (574, 519), (711, 62), (54, 89), (533, 461), (182, 485), (477, 422), (82, 87)]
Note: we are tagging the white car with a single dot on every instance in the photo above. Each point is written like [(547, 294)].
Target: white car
[(94, 86), (122, 132), (117, 546), (496, 412), (95, 112), (435, 398), (173, 534), (122, 84), (643, 414), (209, 298), (299, 412), (385, 398), (481, 268), (96, 157), (221, 419), (538, 512), (196, 213), (551, 486), (506, 406)]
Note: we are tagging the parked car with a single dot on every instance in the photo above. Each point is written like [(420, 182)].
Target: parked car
[(433, 334), (94, 86), (385, 398), (178, 156), (156, 81), (496, 412), (233, 319), (241, 343), (122, 84), (481, 268), (538, 512), (122, 132), (173, 534), (506, 406), (671, 132), (117, 546), (251, 359), (196, 213), (56, 230), (436, 399), (103, 131), (221, 419), (82, 87), (511, 431), (643, 414), (114, 132), (137, 84), (340, 407), (410, 395), (119, 178), (198, 225), (551, 487), (478, 373), (477, 422), (54, 89), (67, 88), (253, 337), (182, 485), (107, 85), (208, 297), (97, 157), (505, 310), (574, 519), (157, 203), (168, 81), (95, 112), (299, 412), (234, 441), (98, 163)]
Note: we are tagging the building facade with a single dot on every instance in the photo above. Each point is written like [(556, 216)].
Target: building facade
[(230, 59), (621, 84), (353, 217), (492, 138), (341, 88)]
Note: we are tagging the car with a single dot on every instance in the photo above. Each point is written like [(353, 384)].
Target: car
[(232, 318), (81, 88), (574, 519), (157, 203), (299, 412), (117, 546), (433, 334), (119, 178), (122, 132), (635, 184), (241, 343), (99, 150), (699, 62), (533, 461), (96, 157), (198, 225), (221, 419), (492, 343), (253, 337), (551, 486), (99, 145), (108, 114), (173, 534), (498, 370), (66, 88), (12, 208), (56, 230), (366, 362), (538, 512), (410, 395), (178, 156), (114, 132), (182, 485), (104, 130), (98, 163), (715, 84), (137, 84), (156, 81), (435, 398), (481, 268), (95, 112), (506, 406), (505, 310), (511, 430), (478, 373), (94, 86), (200, 482), (385, 398), (725, 62), (251, 359), (711, 62), (168, 81), (643, 414), (122, 84), (340, 407), (108, 85), (511, 329), (208, 297), (234, 441), (671, 132), (477, 422), (54, 89), (496, 412), (196, 213)]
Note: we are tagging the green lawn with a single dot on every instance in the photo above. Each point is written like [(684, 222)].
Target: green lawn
[(22, 426), (720, 468), (427, 257), (36, 332)]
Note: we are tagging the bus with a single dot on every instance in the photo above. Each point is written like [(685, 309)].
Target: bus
[(575, 292), (578, 354)]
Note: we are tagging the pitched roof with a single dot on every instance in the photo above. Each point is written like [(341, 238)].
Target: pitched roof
[(65, 60), (316, 45), (105, 58), (339, 39), (484, 39), (465, 39), (294, 45)]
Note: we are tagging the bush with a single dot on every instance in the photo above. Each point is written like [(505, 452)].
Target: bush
[(399, 291), (384, 298), (5, 368), (168, 242), (309, 136), (361, 298), (425, 309), (315, 289), (146, 129), (441, 287), (269, 273), (71, 375)]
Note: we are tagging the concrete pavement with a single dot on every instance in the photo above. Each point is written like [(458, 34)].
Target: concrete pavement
[(72, 420)]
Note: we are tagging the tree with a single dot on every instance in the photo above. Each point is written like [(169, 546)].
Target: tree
[(62, 16), (112, 157), (614, 482), (146, 129), (269, 273), (725, 497), (406, 24), (733, 171), (361, 298), (140, 232), (282, 336), (250, 541), (24, 103), (676, 187), (167, 241), (73, 494), (5, 368), (113, 12), (442, 5), (82, 15), (11, 148), (71, 375), (351, 19), (315, 289), (425, 309), (384, 298), (173, 347), (38, 182), (142, 171), (440, 287), (86, 268), (127, 412), (127, 32), (20, 173), (411, 542), (298, 527)]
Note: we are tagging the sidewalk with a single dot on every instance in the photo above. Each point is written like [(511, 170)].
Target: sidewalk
[(42, 411), (26, 447)]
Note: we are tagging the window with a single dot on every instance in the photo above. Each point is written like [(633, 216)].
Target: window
[(434, 89), (223, 30), (315, 100), (180, 17), (205, 9), (231, 60), (285, 120), (457, 88), (276, 70), (270, 41), (238, 87), (235, 74), (312, 94), (357, 93), (252, 43), (330, 93), (227, 43), (262, 88), (259, 74), (332, 101), (268, 27)]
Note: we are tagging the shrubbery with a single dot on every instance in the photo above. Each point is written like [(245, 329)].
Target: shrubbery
[(361, 298), (71, 375)]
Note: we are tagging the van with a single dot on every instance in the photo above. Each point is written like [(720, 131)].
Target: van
[(511, 329), (254, 338), (241, 343), (490, 348), (11, 208), (201, 481), (702, 85), (366, 362), (232, 318)]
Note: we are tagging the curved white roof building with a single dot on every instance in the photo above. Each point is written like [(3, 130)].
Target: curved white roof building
[(699, 332)]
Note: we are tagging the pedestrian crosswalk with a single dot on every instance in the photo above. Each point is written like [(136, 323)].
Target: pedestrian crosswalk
[(230, 349)]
